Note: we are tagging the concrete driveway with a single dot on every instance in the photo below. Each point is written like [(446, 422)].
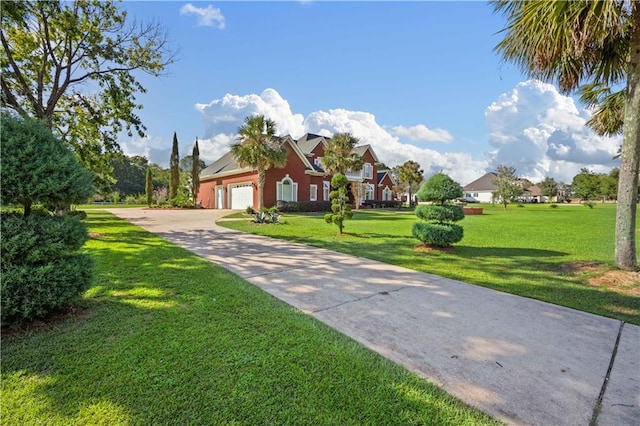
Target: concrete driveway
[(519, 360)]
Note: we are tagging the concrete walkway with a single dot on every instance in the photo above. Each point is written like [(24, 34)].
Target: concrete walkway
[(519, 360)]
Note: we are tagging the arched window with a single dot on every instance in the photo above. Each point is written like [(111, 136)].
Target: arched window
[(286, 190)]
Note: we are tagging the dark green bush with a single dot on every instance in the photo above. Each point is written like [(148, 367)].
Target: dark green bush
[(437, 234), (438, 213), (34, 290), (303, 206), (41, 268), (39, 237)]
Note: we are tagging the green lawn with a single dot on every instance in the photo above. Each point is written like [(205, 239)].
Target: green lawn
[(166, 337), (520, 250)]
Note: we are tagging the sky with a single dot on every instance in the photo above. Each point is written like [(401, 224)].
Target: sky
[(415, 80)]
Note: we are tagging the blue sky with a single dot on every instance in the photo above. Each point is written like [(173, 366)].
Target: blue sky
[(416, 80)]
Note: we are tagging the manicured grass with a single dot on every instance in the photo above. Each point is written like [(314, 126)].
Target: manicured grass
[(518, 250), (166, 337)]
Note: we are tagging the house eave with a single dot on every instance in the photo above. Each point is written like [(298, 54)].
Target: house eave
[(226, 174)]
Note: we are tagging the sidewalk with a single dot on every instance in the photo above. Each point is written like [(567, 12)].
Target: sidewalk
[(520, 360)]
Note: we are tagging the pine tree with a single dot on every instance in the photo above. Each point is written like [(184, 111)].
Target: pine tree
[(195, 173), (174, 170)]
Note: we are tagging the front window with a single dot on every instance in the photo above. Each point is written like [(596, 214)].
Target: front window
[(368, 192), (313, 192), (287, 190), (386, 194), (367, 171), (326, 189)]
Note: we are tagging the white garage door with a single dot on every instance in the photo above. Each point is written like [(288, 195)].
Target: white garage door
[(241, 196)]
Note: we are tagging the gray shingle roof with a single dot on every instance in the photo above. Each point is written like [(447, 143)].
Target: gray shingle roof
[(223, 164), (484, 183)]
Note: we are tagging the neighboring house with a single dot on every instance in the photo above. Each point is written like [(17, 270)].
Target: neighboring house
[(225, 185), (481, 190)]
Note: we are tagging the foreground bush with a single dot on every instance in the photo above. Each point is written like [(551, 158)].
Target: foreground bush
[(42, 269)]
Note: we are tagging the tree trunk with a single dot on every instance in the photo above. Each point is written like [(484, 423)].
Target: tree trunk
[(262, 176), (625, 250)]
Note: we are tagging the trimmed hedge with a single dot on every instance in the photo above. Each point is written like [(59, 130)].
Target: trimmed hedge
[(437, 234), (439, 213), (382, 204), (42, 269), (303, 206)]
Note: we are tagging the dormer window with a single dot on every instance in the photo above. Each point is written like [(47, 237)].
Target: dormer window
[(318, 162)]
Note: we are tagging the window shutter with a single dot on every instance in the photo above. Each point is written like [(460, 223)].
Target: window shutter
[(278, 190), (294, 192)]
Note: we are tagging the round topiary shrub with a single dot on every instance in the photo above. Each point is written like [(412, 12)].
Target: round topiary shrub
[(438, 228), (438, 213), (437, 234)]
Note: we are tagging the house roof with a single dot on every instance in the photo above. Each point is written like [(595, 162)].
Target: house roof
[(224, 164), (308, 142), (303, 147), (361, 149), (484, 183), (534, 191), (382, 174)]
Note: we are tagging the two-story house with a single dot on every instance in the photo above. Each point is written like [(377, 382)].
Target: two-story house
[(225, 185)]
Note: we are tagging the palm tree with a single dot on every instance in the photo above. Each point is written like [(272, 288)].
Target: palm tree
[(592, 46), (339, 156), (258, 147)]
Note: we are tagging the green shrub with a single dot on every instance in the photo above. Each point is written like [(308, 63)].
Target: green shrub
[(437, 234), (41, 268), (31, 291), (589, 204), (249, 210), (554, 206), (39, 237), (438, 213), (80, 214)]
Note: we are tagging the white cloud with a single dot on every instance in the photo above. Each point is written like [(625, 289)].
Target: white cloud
[(543, 133), (207, 16), (222, 117), (422, 133)]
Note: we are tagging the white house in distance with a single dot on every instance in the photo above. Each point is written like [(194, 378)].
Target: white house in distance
[(481, 190)]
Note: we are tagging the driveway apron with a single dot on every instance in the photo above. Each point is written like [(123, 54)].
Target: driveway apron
[(517, 359)]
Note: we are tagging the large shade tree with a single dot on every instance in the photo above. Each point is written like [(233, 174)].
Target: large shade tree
[(592, 46), (258, 147), (74, 65)]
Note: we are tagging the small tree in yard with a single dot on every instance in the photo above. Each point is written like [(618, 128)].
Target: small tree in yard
[(506, 181), (437, 227), (42, 269), (339, 202)]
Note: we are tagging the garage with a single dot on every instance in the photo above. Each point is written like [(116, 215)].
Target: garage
[(241, 196)]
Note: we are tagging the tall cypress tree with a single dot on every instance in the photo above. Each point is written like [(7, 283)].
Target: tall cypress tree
[(174, 170), (149, 186), (195, 172)]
